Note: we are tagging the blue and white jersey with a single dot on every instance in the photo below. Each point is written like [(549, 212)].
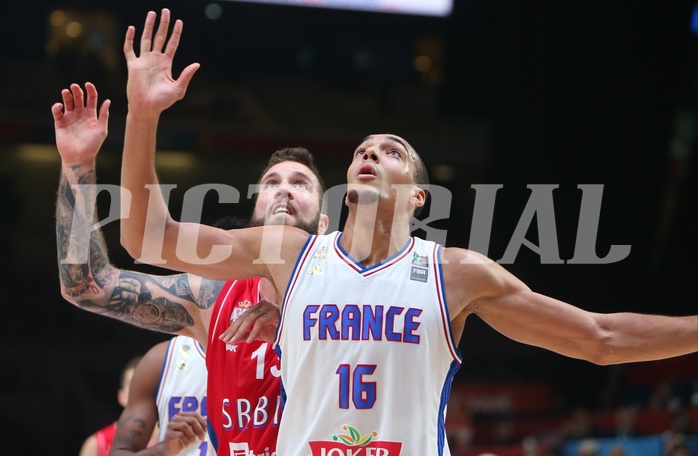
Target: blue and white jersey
[(183, 388), (367, 354)]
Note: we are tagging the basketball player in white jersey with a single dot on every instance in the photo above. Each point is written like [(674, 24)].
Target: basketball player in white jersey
[(371, 317), (168, 394)]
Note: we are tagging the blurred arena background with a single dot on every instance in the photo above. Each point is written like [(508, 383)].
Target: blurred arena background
[(496, 92)]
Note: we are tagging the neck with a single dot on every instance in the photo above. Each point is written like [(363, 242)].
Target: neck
[(372, 235)]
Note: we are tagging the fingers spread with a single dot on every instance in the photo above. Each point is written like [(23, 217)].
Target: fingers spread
[(78, 100), (163, 28), (147, 36), (128, 42), (104, 114), (187, 74), (91, 95), (173, 43), (57, 111), (67, 99)]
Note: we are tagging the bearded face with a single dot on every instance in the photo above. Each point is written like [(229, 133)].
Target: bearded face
[(289, 195)]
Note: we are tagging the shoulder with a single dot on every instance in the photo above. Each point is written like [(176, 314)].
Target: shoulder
[(471, 275), (146, 376), (465, 269), (158, 350), (463, 261), (89, 446), (150, 366)]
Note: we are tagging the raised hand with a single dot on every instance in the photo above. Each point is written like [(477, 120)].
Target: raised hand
[(259, 322), (80, 132), (151, 88)]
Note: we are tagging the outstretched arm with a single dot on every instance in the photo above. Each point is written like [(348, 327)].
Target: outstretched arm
[(173, 304), (150, 234), (150, 90), (479, 286)]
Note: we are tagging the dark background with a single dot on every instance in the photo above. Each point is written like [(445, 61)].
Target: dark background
[(519, 93)]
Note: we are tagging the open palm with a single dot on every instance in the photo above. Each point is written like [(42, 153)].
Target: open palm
[(80, 132), (151, 88)]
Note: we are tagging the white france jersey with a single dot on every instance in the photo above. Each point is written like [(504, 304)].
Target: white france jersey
[(367, 354), (183, 389)]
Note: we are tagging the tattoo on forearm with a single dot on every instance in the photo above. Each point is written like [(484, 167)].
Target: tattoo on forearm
[(128, 429), (178, 285), (76, 275), (132, 301), (146, 301)]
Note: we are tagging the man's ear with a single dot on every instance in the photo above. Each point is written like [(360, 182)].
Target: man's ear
[(122, 396), (323, 224), (419, 196)]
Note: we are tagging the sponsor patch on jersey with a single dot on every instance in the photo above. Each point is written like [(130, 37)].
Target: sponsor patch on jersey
[(419, 270), (239, 449), (352, 443)]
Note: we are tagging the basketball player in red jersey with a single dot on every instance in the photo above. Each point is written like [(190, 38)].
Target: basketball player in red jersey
[(243, 382)]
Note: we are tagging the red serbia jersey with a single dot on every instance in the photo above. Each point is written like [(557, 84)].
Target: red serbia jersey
[(244, 386)]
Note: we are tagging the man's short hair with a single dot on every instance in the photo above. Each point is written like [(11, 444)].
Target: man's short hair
[(297, 154), (420, 176), (300, 155)]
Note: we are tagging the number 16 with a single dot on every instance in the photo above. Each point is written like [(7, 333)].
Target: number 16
[(362, 393)]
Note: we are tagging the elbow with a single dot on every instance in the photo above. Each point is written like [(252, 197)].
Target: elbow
[(131, 244), (607, 359), (153, 246), (131, 236), (601, 349), (133, 239), (69, 296), (601, 357)]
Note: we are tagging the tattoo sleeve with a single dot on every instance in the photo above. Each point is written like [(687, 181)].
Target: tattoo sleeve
[(88, 279), (209, 291)]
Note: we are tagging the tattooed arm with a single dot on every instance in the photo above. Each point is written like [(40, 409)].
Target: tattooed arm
[(174, 304), (138, 421), (137, 424)]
